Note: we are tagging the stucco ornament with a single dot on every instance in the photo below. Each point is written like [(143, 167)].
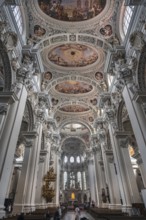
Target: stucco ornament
[(137, 40), (15, 64), (10, 40), (3, 24), (3, 108)]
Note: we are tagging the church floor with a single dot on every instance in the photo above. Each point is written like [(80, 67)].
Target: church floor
[(70, 215)]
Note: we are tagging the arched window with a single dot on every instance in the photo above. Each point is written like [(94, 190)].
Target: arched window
[(84, 181), (72, 159), (82, 159), (78, 159), (127, 18), (79, 179), (110, 79), (65, 179), (18, 17), (65, 159)]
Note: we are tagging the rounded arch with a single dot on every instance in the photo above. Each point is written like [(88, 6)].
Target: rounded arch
[(28, 116), (69, 121), (57, 39), (119, 116), (6, 72), (79, 103), (76, 137), (31, 115), (123, 121), (141, 73), (89, 81)]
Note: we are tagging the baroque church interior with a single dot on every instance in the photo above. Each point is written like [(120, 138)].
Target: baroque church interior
[(73, 106)]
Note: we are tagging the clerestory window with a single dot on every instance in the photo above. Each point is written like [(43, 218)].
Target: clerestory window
[(127, 18), (18, 17)]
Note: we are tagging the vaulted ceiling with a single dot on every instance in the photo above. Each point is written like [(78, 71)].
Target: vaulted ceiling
[(73, 37)]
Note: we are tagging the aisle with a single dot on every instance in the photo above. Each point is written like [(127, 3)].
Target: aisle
[(70, 215)]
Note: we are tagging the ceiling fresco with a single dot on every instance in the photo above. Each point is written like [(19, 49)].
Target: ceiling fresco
[(73, 87), (73, 38), (73, 145), (74, 108), (73, 55), (72, 10)]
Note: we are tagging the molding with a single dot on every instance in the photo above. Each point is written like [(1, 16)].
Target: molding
[(8, 97)]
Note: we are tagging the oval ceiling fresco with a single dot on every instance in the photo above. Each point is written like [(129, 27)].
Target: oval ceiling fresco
[(72, 10), (72, 55), (73, 87), (74, 108)]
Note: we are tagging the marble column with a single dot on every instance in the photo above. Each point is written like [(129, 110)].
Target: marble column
[(21, 191), (38, 196), (120, 169), (14, 182), (91, 173), (142, 170), (114, 185), (98, 177), (134, 192), (137, 118), (58, 162), (32, 171), (47, 158), (114, 196), (56, 167), (127, 182), (103, 180), (9, 137)]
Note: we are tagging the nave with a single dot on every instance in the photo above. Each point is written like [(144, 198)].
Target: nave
[(72, 108), (71, 215)]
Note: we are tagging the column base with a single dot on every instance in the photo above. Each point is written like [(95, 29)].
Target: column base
[(29, 208), (17, 209), (127, 210), (26, 208), (2, 212), (105, 205), (41, 206), (115, 206), (52, 205)]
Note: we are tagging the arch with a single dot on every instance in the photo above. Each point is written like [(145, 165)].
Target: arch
[(92, 108), (69, 121), (30, 115), (6, 67), (141, 73), (76, 137), (57, 39), (74, 78), (123, 120), (119, 116)]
